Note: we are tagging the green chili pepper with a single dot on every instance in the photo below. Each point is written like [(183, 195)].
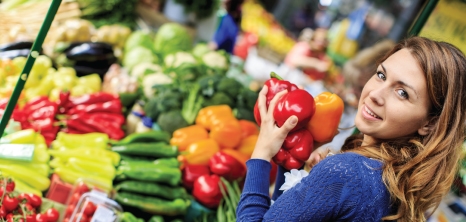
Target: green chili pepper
[(155, 173), (159, 149), (156, 219), (128, 217), (146, 137), (169, 162), (155, 189), (152, 204)]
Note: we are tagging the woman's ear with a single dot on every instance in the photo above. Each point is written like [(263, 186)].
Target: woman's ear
[(428, 126)]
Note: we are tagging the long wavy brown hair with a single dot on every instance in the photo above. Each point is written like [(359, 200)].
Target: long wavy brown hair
[(419, 170)]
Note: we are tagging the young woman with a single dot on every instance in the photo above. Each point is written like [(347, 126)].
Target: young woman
[(411, 115)]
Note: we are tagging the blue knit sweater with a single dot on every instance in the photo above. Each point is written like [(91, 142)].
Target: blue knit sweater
[(342, 187)]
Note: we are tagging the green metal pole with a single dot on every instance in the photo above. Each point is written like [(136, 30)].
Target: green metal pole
[(422, 18), (29, 63)]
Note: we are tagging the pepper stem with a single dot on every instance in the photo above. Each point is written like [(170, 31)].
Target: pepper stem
[(274, 75)]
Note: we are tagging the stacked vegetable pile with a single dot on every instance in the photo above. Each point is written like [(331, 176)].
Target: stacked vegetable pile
[(23, 207), (149, 176), (84, 157)]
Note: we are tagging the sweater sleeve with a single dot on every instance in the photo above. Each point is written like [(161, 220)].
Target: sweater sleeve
[(331, 189)]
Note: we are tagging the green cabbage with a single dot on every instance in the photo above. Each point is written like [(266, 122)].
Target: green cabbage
[(138, 55), (139, 38), (170, 38)]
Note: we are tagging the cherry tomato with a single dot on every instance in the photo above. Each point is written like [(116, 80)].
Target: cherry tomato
[(41, 218), (66, 220), (31, 217), (75, 198), (69, 210), (3, 212), (52, 214), (35, 200), (24, 198), (89, 208), (10, 203), (82, 217), (19, 219), (2, 190), (28, 209), (10, 185), (9, 216), (81, 188)]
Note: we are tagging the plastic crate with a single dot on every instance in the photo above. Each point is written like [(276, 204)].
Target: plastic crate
[(59, 191)]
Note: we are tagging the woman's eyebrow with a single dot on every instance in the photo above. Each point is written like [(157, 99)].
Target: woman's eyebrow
[(400, 82)]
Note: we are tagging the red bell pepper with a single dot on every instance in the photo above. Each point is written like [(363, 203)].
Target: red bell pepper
[(113, 106), (87, 99), (275, 85), (192, 172), (226, 166), (48, 111), (298, 103), (19, 116), (295, 150), (207, 191)]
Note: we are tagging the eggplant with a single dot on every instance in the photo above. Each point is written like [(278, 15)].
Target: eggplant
[(16, 45), (86, 70), (11, 54), (90, 51)]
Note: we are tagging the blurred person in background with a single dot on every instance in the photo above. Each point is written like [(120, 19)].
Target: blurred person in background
[(308, 56), (229, 27)]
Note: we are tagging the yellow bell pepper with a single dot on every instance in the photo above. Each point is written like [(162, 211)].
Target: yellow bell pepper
[(227, 133), (247, 145), (210, 115), (185, 136), (92, 81), (324, 122), (79, 90), (200, 152)]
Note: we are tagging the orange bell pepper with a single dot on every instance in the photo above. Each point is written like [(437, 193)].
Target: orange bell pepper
[(247, 145), (185, 136), (227, 133), (249, 128), (208, 115), (199, 152), (238, 156), (324, 123)]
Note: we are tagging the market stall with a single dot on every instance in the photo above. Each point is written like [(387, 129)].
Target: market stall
[(126, 113)]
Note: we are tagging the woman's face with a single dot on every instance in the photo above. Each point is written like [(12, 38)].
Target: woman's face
[(394, 102)]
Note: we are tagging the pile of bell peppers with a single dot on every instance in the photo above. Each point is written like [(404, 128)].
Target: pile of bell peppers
[(29, 176), (318, 120), (148, 176), (218, 145), (84, 156), (98, 112)]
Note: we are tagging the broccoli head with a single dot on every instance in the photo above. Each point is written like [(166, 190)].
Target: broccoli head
[(229, 86), (219, 98), (164, 101), (247, 99), (171, 121), (208, 83)]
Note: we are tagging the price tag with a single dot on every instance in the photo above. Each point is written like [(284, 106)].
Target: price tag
[(17, 151), (103, 214)]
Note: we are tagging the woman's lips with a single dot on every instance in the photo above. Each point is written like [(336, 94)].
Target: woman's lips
[(369, 115)]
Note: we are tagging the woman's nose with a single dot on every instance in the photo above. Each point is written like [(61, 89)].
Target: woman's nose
[(377, 96)]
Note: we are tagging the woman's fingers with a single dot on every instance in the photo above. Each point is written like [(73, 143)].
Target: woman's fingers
[(262, 102), (289, 125), (274, 102), (300, 87)]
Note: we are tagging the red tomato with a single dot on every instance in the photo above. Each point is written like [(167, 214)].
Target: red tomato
[(19, 219), (24, 198), (81, 217), (75, 198), (9, 216), (2, 190), (52, 214), (41, 218), (81, 188), (10, 185), (10, 203), (69, 210), (66, 220), (31, 217), (3, 212), (28, 208), (89, 208), (35, 200)]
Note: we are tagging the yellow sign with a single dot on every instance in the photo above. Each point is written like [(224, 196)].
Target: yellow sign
[(447, 23)]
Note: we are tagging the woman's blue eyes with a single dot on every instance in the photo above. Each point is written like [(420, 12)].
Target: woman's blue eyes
[(400, 92)]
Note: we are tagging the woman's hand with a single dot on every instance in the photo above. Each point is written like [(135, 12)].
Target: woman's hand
[(271, 137)]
